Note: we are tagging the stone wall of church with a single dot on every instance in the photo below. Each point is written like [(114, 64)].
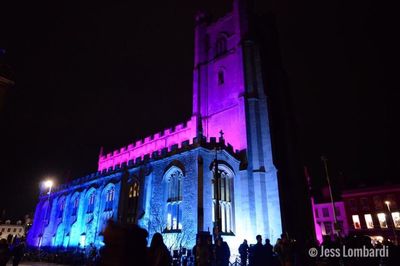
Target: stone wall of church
[(63, 218)]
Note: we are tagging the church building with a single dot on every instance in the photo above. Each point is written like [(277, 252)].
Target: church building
[(165, 182)]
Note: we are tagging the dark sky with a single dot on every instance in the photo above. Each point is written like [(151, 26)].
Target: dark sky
[(105, 74)]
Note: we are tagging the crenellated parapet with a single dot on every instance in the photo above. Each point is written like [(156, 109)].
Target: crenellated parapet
[(158, 145), (167, 139)]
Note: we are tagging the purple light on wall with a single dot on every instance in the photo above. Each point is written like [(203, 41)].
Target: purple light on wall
[(157, 142)]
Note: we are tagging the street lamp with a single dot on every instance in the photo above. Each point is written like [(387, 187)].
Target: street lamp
[(393, 228), (47, 184)]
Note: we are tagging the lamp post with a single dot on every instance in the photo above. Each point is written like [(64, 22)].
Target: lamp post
[(217, 178), (216, 230), (393, 228), (48, 184), (335, 225)]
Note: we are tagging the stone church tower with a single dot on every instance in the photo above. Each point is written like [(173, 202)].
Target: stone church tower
[(228, 95)]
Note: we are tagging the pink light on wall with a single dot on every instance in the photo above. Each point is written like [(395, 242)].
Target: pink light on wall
[(156, 142), (218, 78)]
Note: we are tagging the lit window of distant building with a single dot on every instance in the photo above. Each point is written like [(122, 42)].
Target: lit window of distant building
[(368, 221), (356, 221), (396, 219), (382, 220), (325, 212)]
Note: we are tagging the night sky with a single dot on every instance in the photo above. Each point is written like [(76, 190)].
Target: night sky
[(106, 74)]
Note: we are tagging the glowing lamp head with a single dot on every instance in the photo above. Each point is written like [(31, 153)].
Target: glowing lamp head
[(48, 183), (387, 203)]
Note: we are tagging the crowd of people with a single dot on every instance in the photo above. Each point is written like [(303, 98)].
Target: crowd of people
[(11, 249), (128, 246), (266, 254), (289, 252)]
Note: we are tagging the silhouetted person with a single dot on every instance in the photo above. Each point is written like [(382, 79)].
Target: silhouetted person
[(222, 253), (269, 252), (257, 253), (203, 252), (243, 251), (284, 250), (158, 253), (18, 252), (4, 252), (124, 246)]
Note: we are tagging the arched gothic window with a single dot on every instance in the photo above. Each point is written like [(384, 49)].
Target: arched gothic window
[(174, 216), (221, 46), (109, 199), (174, 184), (60, 208), (91, 199), (173, 178), (225, 185), (75, 205), (134, 190), (133, 201)]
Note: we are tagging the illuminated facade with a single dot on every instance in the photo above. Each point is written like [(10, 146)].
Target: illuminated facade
[(164, 182), (325, 220), (374, 211)]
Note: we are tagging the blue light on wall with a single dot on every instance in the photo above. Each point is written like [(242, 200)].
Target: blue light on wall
[(75, 217)]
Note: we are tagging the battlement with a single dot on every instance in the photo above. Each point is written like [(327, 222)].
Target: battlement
[(185, 145), (168, 138)]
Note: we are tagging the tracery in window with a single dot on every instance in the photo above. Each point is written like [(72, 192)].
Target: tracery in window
[(173, 178), (225, 185)]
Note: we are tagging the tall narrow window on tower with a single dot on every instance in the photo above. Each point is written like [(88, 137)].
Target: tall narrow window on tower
[(221, 46), (221, 78), (173, 178)]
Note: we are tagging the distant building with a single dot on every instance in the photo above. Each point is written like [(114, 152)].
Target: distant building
[(166, 181), (324, 220), (374, 211), (8, 230)]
